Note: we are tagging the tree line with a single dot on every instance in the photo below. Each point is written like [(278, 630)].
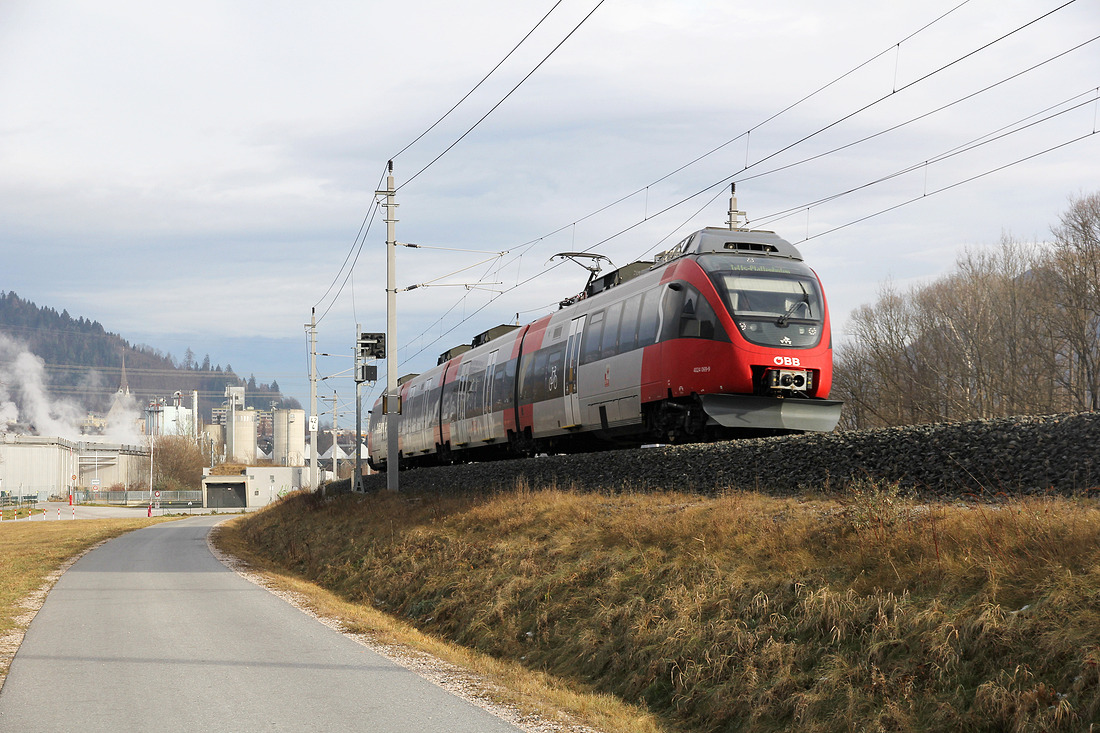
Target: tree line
[(1013, 330)]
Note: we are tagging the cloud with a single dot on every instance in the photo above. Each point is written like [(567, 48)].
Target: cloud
[(204, 169)]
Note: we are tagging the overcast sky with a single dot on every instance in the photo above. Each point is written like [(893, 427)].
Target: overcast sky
[(194, 175)]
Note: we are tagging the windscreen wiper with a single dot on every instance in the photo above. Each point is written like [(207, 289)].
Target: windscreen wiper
[(805, 300)]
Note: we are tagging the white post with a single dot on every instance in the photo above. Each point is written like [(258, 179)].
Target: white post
[(335, 443), (313, 401), (392, 394), (357, 477)]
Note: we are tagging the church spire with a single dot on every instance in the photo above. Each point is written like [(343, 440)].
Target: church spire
[(124, 386)]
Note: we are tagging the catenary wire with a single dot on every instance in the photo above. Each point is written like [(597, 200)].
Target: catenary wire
[(478, 85), (977, 142), (748, 166), (896, 90), (364, 228), (504, 98)]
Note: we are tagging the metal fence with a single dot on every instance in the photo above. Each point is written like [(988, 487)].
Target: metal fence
[(132, 498), (8, 500)]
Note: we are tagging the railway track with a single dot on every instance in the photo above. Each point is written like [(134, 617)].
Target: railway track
[(1004, 456)]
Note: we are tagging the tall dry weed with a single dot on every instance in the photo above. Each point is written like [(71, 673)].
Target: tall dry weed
[(742, 612)]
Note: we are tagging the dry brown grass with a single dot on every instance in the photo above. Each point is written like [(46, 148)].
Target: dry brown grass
[(742, 612), (506, 682)]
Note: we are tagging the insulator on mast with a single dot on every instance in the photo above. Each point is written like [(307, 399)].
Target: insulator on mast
[(734, 221)]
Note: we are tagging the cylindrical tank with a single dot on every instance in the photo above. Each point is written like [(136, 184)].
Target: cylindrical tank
[(216, 436), (290, 438), (241, 437)]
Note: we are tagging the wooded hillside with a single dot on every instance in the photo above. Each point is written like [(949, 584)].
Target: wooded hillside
[(84, 362)]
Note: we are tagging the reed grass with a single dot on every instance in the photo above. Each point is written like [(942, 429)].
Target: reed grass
[(860, 610)]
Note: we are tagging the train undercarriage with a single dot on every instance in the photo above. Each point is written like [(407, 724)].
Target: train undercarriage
[(676, 420)]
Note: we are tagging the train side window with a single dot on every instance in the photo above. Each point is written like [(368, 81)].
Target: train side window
[(448, 408), (647, 319), (689, 319), (433, 404), (471, 400), (709, 325), (609, 343), (504, 389), (527, 379), (697, 318), (510, 368), (408, 409), (499, 388), (554, 373), (672, 305), (593, 332), (628, 329), (538, 388)]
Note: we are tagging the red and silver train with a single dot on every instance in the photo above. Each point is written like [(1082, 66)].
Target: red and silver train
[(725, 335)]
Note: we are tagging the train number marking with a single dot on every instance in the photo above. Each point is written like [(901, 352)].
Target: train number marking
[(787, 361), (701, 370)]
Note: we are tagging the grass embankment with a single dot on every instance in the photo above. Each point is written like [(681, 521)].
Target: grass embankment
[(31, 551), (740, 612)]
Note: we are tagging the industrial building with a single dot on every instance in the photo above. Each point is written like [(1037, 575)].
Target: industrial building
[(257, 486), (32, 465), (173, 419)]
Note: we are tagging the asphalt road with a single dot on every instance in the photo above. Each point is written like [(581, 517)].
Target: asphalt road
[(151, 632)]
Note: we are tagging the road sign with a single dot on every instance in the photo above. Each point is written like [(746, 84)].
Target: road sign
[(156, 494)]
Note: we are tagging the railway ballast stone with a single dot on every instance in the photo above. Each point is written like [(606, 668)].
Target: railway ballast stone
[(1015, 455)]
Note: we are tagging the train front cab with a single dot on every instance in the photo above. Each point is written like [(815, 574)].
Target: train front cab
[(749, 340)]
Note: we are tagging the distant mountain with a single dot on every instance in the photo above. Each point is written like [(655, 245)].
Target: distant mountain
[(84, 363)]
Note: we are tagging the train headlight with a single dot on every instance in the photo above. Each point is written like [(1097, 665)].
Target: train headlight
[(795, 380)]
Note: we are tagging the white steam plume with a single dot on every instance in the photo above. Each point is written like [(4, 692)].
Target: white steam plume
[(25, 401)]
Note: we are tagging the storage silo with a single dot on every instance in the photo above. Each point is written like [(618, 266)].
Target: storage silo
[(215, 438), (290, 438), (240, 437)]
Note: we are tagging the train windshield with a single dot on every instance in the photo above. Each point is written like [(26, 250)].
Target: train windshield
[(771, 306)]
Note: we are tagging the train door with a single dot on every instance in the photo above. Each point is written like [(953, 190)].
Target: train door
[(572, 369), (461, 425), (485, 421), (423, 425)]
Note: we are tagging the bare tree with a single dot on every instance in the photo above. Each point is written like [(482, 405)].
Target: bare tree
[(976, 343), (1071, 279), (177, 464)]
